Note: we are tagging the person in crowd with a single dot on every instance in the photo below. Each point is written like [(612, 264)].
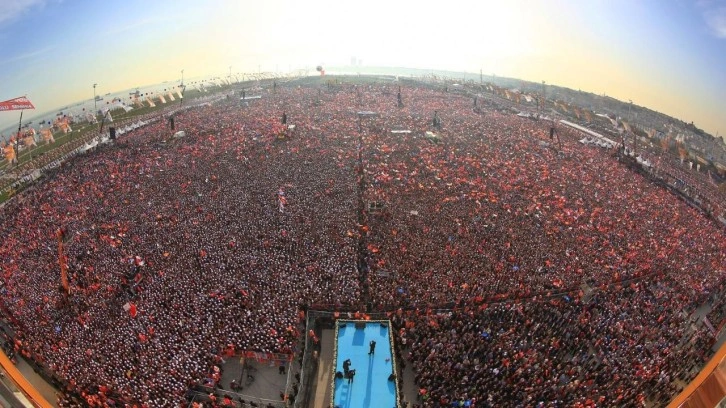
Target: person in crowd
[(568, 279)]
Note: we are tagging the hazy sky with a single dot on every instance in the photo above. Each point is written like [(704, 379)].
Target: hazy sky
[(668, 55)]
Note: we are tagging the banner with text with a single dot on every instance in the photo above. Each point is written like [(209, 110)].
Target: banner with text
[(16, 104)]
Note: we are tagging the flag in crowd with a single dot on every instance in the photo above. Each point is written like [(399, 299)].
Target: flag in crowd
[(19, 103)]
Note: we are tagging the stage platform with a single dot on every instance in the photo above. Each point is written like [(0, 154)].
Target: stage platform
[(371, 385)]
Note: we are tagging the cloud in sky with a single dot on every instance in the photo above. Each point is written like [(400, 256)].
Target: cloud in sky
[(714, 12), (12, 9), (27, 55), (717, 21), (135, 25)]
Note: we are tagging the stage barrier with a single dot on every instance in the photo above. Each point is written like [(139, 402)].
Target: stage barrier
[(22, 383)]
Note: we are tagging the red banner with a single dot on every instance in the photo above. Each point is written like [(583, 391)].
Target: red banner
[(16, 104)]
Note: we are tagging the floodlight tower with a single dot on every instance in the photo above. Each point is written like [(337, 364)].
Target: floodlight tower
[(630, 105)]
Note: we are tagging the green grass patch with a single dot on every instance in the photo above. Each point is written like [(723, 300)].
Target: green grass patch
[(60, 140)]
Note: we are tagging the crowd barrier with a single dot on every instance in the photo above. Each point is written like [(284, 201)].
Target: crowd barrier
[(22, 383), (708, 389), (198, 396)]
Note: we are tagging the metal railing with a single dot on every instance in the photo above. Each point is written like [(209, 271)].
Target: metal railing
[(238, 400)]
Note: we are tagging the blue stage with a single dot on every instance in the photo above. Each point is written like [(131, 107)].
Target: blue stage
[(370, 386)]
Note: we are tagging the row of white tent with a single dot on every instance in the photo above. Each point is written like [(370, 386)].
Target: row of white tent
[(141, 123), (597, 142), (105, 138), (643, 162), (131, 127)]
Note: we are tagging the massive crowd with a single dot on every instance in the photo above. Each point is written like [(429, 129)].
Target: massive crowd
[(181, 248), (493, 198), (624, 347)]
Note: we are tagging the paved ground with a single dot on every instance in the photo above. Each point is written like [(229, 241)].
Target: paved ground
[(10, 396), (46, 390), (409, 391), (698, 316), (323, 395), (266, 382)]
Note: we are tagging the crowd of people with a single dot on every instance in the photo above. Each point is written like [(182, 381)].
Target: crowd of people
[(192, 233), (492, 211), (182, 249), (624, 347)]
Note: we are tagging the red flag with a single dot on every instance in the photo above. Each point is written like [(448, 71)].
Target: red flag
[(16, 104), (131, 308)]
